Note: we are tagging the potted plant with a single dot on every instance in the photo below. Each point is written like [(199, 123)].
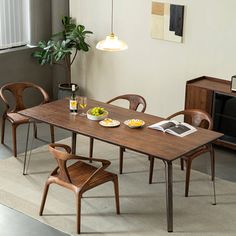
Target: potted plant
[(63, 48)]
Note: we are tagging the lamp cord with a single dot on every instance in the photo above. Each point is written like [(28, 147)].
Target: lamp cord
[(112, 17)]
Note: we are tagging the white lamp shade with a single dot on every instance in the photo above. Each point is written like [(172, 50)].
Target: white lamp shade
[(111, 43)]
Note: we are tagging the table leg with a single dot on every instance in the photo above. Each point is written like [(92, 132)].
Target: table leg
[(214, 192), (169, 195), (73, 144), (26, 165), (213, 173), (26, 149)]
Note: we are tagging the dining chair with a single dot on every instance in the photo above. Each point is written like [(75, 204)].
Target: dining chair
[(78, 177), (11, 114), (197, 118), (135, 102)]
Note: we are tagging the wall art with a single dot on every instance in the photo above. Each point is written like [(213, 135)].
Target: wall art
[(167, 21)]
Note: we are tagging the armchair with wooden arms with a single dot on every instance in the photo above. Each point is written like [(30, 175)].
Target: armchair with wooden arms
[(78, 177), (12, 115), (135, 101), (197, 118)]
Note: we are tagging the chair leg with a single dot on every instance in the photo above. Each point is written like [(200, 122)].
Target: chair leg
[(35, 130), (3, 130), (14, 140), (116, 189), (121, 159), (182, 163), (187, 178), (212, 154), (52, 134), (151, 168), (91, 141), (78, 199), (45, 193)]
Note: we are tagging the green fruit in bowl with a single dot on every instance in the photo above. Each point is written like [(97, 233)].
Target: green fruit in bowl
[(97, 111)]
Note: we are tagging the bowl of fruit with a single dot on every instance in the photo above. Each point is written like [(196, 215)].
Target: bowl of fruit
[(134, 123), (97, 113)]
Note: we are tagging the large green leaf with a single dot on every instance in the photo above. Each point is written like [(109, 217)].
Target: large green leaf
[(62, 43)]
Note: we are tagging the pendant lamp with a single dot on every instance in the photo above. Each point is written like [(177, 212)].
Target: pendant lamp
[(111, 43)]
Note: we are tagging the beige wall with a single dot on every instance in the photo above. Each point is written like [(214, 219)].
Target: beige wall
[(60, 8), (156, 69)]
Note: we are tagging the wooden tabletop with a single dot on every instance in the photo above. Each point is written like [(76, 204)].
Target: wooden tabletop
[(144, 140)]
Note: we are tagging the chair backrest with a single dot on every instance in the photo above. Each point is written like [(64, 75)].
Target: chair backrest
[(17, 89), (62, 156), (134, 101), (195, 117), (61, 159)]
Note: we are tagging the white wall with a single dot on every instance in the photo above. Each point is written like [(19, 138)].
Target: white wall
[(155, 69)]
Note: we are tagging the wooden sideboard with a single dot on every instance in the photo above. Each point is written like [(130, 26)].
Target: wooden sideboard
[(215, 97)]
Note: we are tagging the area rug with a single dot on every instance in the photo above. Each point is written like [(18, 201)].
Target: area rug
[(143, 207)]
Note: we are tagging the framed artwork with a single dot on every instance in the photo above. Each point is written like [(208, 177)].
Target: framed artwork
[(167, 21)]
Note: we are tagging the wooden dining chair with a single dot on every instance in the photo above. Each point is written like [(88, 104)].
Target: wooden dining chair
[(135, 102), (197, 118), (17, 90), (78, 177)]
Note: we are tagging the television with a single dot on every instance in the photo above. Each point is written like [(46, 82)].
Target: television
[(224, 116)]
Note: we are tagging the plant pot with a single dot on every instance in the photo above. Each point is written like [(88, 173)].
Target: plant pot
[(64, 90)]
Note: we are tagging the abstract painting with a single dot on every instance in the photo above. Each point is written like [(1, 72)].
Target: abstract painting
[(167, 21)]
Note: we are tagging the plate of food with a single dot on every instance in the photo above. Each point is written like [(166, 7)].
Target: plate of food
[(134, 123), (108, 122), (97, 113)]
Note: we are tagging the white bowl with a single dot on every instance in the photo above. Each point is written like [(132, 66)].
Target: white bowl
[(139, 124), (92, 117)]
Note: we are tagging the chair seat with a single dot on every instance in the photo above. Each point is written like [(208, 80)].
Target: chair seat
[(196, 118), (16, 118), (78, 177), (196, 152), (135, 102), (17, 103), (79, 173)]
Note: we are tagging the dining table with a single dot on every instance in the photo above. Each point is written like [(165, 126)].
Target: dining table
[(144, 140)]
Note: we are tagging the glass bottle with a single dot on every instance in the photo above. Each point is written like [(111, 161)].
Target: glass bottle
[(73, 101)]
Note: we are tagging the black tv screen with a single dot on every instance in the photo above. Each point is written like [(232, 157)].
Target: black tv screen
[(224, 116)]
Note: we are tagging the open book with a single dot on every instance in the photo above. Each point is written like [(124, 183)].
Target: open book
[(176, 128)]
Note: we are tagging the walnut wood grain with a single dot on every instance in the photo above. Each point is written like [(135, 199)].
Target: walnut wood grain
[(143, 140), (135, 102), (213, 84), (78, 177), (198, 98), (199, 94), (17, 90), (197, 118)]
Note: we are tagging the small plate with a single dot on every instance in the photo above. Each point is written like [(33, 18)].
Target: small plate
[(134, 123), (109, 123)]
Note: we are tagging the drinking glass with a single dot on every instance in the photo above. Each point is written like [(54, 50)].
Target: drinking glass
[(82, 104)]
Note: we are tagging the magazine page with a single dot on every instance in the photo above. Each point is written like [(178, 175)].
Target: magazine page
[(164, 125), (181, 129)]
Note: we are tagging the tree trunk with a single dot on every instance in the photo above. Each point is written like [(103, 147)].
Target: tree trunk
[(68, 68), (69, 75)]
